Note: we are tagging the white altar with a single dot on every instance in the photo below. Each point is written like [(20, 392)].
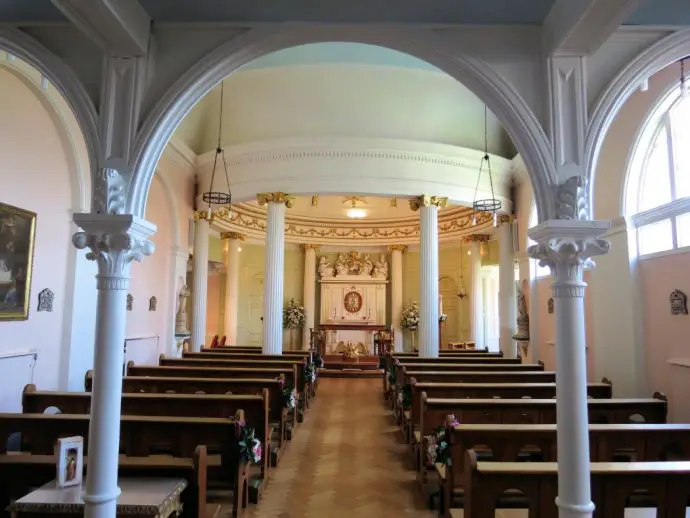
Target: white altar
[(353, 297)]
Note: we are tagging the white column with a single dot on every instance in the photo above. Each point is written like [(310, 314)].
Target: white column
[(507, 305), (397, 293), (232, 284), (309, 294), (114, 242), (428, 268), (200, 279), (475, 294), (566, 245), (274, 270)]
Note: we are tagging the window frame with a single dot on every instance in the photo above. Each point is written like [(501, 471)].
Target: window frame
[(657, 120)]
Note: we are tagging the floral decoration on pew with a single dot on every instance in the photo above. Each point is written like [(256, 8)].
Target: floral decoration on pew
[(317, 359), (310, 372), (391, 375), (289, 398), (405, 396), (437, 450), (250, 446)]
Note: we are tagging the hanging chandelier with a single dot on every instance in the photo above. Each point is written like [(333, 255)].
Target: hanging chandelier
[(218, 197), (462, 291), (492, 204)]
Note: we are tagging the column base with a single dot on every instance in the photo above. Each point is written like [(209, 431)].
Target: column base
[(103, 505), (574, 510)]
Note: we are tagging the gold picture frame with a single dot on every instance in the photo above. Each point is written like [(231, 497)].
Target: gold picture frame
[(17, 237)]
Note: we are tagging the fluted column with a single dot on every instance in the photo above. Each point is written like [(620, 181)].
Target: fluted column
[(114, 242), (476, 303), (397, 293), (428, 207), (507, 304), (232, 284), (309, 294), (566, 246), (274, 270), (200, 279)]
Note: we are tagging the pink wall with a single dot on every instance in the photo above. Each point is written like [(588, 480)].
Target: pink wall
[(666, 335), (35, 175)]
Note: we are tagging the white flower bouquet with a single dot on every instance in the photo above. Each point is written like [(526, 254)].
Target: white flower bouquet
[(410, 316), (293, 315)]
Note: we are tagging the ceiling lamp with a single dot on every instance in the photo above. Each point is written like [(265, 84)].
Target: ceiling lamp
[(462, 291), (355, 212), (218, 197), (492, 204)]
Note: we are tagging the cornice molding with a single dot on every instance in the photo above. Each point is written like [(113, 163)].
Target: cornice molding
[(181, 154)]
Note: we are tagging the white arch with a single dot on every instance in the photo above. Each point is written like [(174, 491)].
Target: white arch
[(499, 95), (659, 55), (61, 76)]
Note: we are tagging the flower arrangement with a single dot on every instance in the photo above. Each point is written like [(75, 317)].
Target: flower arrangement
[(406, 396), (293, 315), (250, 446), (309, 372), (391, 376), (317, 359), (442, 317), (289, 398), (437, 443), (409, 318)]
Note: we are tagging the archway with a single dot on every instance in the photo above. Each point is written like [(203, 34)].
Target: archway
[(500, 97)]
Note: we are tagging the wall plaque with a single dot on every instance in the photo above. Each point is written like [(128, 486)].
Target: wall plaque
[(550, 306), (679, 303)]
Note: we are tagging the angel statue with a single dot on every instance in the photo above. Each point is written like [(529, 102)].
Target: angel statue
[(326, 271), (381, 268), (341, 264), (522, 317)]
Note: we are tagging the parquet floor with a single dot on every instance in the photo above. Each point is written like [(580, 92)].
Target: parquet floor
[(347, 461)]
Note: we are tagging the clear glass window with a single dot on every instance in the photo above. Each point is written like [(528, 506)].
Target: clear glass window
[(655, 237)]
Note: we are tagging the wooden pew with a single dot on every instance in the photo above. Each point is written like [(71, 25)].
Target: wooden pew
[(289, 373), (614, 487), (277, 413), (486, 391), (479, 377), (512, 443), (22, 473), (389, 358), (142, 436), (302, 385), (255, 408)]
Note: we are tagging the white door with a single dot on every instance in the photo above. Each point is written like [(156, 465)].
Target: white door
[(489, 279)]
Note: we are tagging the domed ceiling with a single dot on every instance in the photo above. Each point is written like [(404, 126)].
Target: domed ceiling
[(342, 90)]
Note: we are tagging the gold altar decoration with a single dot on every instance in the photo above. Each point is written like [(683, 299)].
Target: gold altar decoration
[(351, 351), (352, 301)]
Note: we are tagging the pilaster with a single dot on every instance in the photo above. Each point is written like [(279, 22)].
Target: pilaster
[(232, 279), (397, 252), (309, 294)]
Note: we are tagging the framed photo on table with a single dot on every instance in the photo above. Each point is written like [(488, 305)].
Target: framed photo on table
[(70, 461), (17, 235)]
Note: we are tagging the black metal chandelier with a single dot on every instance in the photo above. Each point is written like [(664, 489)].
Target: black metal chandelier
[(215, 198), (492, 204)]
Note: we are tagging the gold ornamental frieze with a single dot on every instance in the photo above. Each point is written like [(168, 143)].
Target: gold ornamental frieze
[(275, 197), (428, 201)]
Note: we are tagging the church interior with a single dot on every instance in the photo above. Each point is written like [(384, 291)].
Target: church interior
[(296, 260)]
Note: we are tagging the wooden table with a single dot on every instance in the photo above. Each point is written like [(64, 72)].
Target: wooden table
[(140, 498)]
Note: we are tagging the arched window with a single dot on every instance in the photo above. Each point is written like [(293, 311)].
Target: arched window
[(658, 190), (535, 270)]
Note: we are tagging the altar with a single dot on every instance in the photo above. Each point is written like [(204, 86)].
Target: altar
[(353, 300)]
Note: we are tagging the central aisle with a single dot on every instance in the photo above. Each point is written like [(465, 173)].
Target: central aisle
[(347, 460)]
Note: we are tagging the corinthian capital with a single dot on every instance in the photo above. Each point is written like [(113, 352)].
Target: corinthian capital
[(566, 247), (428, 201), (276, 197), (114, 241)]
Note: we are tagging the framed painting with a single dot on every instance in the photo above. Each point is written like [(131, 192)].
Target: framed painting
[(17, 235)]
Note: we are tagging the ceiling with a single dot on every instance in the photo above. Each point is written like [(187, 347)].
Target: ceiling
[(342, 90), (486, 12), (335, 208)]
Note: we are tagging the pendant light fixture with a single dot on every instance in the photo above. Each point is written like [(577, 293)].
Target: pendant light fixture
[(215, 198), (492, 204), (462, 291)]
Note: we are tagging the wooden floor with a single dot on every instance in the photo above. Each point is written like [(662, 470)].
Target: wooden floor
[(347, 460)]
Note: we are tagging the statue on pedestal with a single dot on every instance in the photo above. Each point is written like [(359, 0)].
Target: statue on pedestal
[(522, 333), (366, 266), (326, 271), (181, 316), (341, 265)]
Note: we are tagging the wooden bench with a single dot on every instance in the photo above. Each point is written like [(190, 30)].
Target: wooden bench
[(277, 412), (526, 411), (470, 353), (615, 486), (22, 473), (143, 436), (153, 371), (255, 408), (513, 443), (486, 391), (302, 385)]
